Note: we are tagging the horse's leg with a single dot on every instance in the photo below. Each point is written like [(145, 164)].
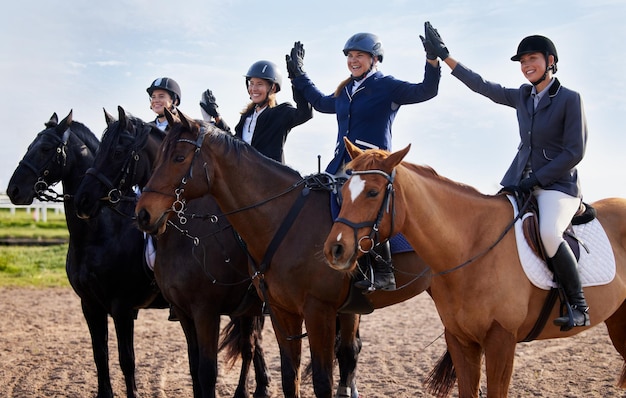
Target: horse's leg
[(320, 320), (499, 357), (124, 320), (286, 325), (262, 374), (244, 343), (208, 329), (193, 349), (349, 347), (97, 322), (467, 364), (616, 325)]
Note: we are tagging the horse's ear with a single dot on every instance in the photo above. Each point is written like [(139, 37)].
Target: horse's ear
[(169, 117), (353, 150), (122, 115), (108, 118), (395, 158), (65, 123), (54, 120), (184, 120)]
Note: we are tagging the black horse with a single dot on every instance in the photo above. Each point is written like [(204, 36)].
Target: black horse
[(200, 266), (105, 256)]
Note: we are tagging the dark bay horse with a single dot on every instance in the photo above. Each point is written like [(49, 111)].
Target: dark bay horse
[(484, 298), (105, 255), (283, 220), (200, 267)]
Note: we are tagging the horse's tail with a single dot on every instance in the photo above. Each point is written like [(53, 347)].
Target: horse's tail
[(441, 379), (240, 337)]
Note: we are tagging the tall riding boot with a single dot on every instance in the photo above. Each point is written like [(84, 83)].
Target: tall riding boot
[(384, 279), (564, 264)]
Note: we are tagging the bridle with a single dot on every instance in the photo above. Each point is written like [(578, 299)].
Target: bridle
[(44, 191), (126, 173), (387, 206)]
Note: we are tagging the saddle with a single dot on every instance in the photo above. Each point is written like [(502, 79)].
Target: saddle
[(530, 224)]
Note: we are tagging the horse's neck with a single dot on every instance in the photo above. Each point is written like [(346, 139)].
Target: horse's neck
[(449, 222), (245, 182)]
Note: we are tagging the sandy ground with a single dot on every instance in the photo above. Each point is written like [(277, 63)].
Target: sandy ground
[(45, 351)]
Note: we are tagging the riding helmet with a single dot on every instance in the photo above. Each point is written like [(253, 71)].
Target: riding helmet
[(167, 84), (366, 42), (265, 70), (535, 44)]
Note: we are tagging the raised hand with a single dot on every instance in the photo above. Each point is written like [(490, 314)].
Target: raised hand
[(438, 45)]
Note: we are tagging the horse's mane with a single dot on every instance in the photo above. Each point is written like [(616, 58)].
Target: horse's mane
[(374, 158), (226, 143), (86, 135)]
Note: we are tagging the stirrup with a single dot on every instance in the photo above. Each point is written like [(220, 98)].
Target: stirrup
[(566, 321)]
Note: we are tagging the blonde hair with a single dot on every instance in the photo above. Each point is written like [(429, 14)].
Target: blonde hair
[(271, 102)]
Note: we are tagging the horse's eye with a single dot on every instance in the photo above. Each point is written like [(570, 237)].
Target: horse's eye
[(179, 158), (372, 193)]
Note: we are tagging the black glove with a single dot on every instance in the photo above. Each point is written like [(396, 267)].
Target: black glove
[(208, 104), (528, 183), (295, 61), (428, 47), (437, 42)]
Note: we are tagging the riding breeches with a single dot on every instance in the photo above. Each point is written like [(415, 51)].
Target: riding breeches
[(556, 210)]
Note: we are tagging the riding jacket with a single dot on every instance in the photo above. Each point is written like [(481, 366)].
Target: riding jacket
[(366, 116), (553, 136), (273, 125)]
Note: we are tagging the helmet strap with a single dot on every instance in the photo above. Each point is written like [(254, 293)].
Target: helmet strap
[(361, 77), (545, 74)]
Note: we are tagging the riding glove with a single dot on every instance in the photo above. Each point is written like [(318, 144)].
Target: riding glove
[(208, 104), (437, 42)]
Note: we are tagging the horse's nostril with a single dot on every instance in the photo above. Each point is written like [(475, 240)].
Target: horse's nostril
[(337, 250)]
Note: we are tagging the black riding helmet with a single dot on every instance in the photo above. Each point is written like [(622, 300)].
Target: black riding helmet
[(266, 70), (366, 42), (537, 44), (167, 84)]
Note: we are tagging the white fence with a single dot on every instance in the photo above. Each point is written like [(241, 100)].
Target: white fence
[(38, 209)]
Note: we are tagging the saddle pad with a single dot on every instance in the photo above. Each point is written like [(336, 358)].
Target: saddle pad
[(596, 267), (399, 244)]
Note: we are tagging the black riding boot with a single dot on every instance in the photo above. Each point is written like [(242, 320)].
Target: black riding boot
[(564, 264), (384, 279)]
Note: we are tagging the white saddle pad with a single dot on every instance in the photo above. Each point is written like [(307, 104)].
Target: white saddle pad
[(596, 267)]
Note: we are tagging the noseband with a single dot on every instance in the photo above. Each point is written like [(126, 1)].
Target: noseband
[(387, 206)]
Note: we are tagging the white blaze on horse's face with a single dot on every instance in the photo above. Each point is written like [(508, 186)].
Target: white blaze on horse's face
[(355, 187)]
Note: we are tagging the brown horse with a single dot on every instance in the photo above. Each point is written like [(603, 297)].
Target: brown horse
[(257, 196), (486, 302)]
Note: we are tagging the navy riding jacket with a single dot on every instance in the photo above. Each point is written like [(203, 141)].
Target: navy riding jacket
[(366, 116)]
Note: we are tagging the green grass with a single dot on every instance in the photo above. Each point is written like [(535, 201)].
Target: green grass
[(33, 266)]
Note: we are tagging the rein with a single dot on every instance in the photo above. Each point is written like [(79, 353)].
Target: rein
[(390, 198)]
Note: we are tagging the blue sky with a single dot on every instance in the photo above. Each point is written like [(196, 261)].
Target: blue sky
[(71, 54)]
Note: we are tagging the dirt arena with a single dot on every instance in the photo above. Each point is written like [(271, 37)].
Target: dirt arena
[(45, 351)]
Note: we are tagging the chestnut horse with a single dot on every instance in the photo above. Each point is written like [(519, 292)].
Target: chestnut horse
[(284, 220), (486, 302), (200, 266)]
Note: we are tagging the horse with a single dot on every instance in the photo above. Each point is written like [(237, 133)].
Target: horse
[(283, 219), (485, 300), (200, 267), (104, 261)]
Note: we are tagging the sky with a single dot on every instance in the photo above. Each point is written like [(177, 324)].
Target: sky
[(62, 55)]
